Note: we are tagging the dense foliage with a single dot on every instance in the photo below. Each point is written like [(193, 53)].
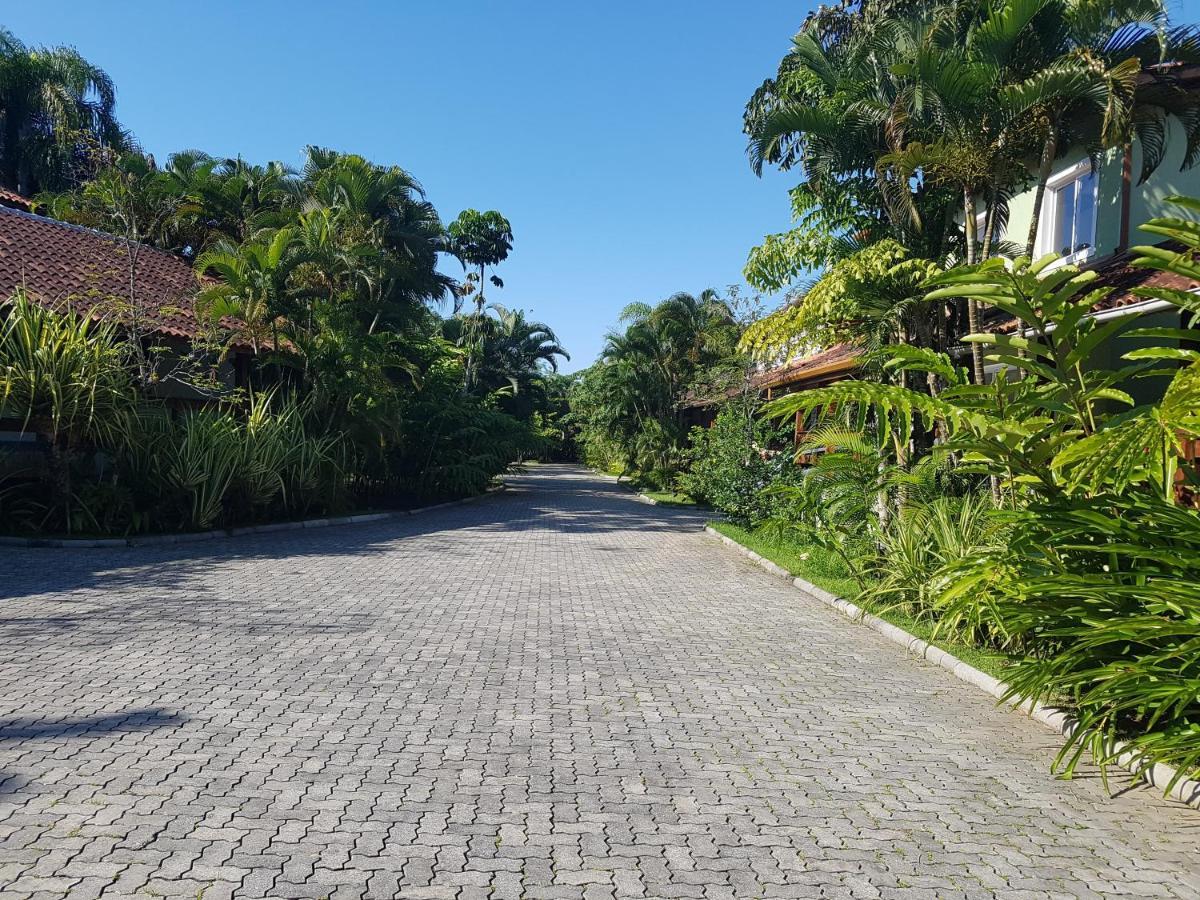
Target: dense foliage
[(1083, 566), (1044, 513), (630, 406), (56, 117), (324, 282), (733, 462), (914, 125)]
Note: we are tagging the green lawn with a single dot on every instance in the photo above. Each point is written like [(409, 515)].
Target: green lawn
[(825, 570), (670, 499)]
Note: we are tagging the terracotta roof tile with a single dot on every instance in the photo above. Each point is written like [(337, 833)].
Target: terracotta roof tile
[(838, 358), (64, 265), (835, 360), (15, 200), (1122, 279)]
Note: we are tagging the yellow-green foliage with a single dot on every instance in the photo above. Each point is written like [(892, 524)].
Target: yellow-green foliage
[(832, 308)]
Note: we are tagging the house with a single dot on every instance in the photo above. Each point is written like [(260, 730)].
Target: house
[(1091, 213), (65, 266), (811, 371)]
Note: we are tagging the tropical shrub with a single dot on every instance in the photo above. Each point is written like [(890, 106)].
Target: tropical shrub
[(62, 378), (1101, 595), (926, 538), (629, 406), (226, 466), (1094, 582), (357, 393), (733, 462)]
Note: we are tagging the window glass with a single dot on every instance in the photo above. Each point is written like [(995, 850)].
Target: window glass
[(1064, 219), (1085, 211)]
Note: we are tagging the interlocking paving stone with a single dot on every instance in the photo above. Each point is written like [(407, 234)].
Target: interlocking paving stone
[(556, 692)]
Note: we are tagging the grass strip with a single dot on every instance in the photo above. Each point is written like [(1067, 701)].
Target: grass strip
[(669, 498)]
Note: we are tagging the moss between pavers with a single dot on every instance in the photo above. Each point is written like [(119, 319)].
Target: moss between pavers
[(825, 570)]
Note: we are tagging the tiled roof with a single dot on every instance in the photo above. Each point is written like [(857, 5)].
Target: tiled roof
[(834, 361), (1122, 279), (65, 265), (840, 358), (14, 200)]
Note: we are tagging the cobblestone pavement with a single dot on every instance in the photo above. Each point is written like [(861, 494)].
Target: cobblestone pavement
[(555, 692)]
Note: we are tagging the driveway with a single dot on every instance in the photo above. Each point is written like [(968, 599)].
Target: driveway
[(554, 692)]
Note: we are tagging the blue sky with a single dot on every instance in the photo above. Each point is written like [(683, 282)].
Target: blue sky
[(608, 133)]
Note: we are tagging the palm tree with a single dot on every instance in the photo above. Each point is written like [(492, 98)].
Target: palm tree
[(52, 103), (239, 198), (382, 217), (518, 348), (479, 239), (695, 329), (252, 283), (1101, 80), (645, 370)]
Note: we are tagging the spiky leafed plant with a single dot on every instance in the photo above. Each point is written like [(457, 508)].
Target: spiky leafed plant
[(63, 377)]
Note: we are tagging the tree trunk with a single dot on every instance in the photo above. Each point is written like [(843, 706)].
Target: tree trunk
[(972, 304), (1049, 152), (474, 332), (989, 230)]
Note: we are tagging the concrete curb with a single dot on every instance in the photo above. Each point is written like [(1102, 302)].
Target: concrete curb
[(1186, 791), (156, 540), (638, 495)]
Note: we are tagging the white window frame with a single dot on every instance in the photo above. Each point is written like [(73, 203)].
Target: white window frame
[(1048, 222)]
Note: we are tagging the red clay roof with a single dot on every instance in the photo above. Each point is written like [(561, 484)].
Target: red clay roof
[(15, 200), (836, 360), (1122, 279), (65, 265)]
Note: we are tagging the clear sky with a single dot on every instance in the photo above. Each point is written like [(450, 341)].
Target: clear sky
[(608, 133)]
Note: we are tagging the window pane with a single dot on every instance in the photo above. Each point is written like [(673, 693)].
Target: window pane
[(1085, 211), (1064, 219)]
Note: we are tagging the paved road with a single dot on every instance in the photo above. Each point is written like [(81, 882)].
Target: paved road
[(556, 692)]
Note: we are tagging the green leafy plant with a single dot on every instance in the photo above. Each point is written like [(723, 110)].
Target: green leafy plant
[(1094, 582), (63, 377), (735, 460)]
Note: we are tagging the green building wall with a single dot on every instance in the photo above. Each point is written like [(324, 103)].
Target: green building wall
[(1147, 201)]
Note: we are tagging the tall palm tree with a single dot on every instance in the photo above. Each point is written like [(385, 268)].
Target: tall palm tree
[(52, 103), (479, 239)]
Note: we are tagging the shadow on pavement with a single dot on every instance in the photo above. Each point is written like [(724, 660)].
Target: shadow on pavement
[(559, 498)]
